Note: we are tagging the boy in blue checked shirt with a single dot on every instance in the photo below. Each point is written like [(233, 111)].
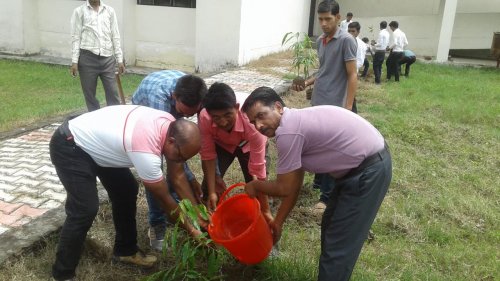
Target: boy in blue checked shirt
[(179, 94)]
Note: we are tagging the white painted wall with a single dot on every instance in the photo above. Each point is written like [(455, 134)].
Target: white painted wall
[(54, 26), (235, 32), (475, 31), (217, 34), (165, 37), (265, 22), (11, 27), (221, 32), (475, 21)]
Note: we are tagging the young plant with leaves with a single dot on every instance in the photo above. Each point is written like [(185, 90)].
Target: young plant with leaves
[(195, 258), (305, 56)]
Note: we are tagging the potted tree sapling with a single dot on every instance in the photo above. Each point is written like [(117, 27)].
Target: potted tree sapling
[(304, 57)]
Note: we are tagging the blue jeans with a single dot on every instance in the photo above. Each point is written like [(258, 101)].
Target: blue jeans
[(156, 215), (325, 183)]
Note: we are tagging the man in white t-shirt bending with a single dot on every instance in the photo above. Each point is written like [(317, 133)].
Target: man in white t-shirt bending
[(105, 143)]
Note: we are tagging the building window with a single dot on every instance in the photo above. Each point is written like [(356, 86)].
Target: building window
[(170, 3)]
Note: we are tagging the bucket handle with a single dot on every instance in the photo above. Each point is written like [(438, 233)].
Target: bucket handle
[(223, 196)]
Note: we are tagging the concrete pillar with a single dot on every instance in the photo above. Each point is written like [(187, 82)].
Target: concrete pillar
[(447, 22)]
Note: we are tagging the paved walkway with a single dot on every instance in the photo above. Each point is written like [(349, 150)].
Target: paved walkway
[(31, 196)]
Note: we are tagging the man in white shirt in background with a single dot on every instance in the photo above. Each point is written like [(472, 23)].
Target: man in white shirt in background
[(345, 23), (380, 47), (96, 48), (397, 44), (354, 28), (366, 63)]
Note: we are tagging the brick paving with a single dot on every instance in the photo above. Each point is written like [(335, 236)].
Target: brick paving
[(31, 196)]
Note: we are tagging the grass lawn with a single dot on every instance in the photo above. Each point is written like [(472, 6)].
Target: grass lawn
[(31, 92), (439, 220)]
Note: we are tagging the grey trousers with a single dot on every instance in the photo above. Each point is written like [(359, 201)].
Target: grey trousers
[(350, 212), (91, 66)]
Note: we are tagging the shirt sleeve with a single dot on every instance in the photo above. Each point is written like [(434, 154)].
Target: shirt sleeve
[(147, 165), (289, 152), (207, 151), (350, 48), (257, 161), (76, 34), (359, 55)]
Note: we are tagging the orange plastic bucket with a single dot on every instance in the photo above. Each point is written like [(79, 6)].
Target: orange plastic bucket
[(239, 226)]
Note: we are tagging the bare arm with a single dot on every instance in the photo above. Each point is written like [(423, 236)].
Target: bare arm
[(286, 186), (168, 204), (208, 167), (180, 182), (352, 83)]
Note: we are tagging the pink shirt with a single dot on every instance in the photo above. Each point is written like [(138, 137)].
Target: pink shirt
[(124, 136), (243, 132), (324, 139)]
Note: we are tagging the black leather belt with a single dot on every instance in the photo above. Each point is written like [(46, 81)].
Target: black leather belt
[(370, 160), (65, 132)]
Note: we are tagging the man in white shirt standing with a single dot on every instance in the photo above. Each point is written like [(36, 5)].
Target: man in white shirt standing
[(354, 28), (380, 48), (397, 44), (95, 50), (345, 23)]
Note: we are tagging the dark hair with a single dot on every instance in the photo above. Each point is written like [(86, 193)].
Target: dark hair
[(365, 39), (383, 24), (267, 96), (349, 14), (329, 6), (220, 96), (394, 24), (355, 25), (190, 90)]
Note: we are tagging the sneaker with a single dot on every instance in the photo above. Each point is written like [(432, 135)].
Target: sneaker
[(71, 279), (319, 208), (139, 259), (156, 235)]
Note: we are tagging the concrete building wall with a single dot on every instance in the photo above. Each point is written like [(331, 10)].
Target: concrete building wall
[(234, 32), (474, 24), (54, 26), (165, 37), (217, 34), (11, 27), (262, 29), (207, 38), (474, 31)]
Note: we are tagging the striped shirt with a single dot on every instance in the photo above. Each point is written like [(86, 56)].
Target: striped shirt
[(156, 90), (124, 136), (95, 31)]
